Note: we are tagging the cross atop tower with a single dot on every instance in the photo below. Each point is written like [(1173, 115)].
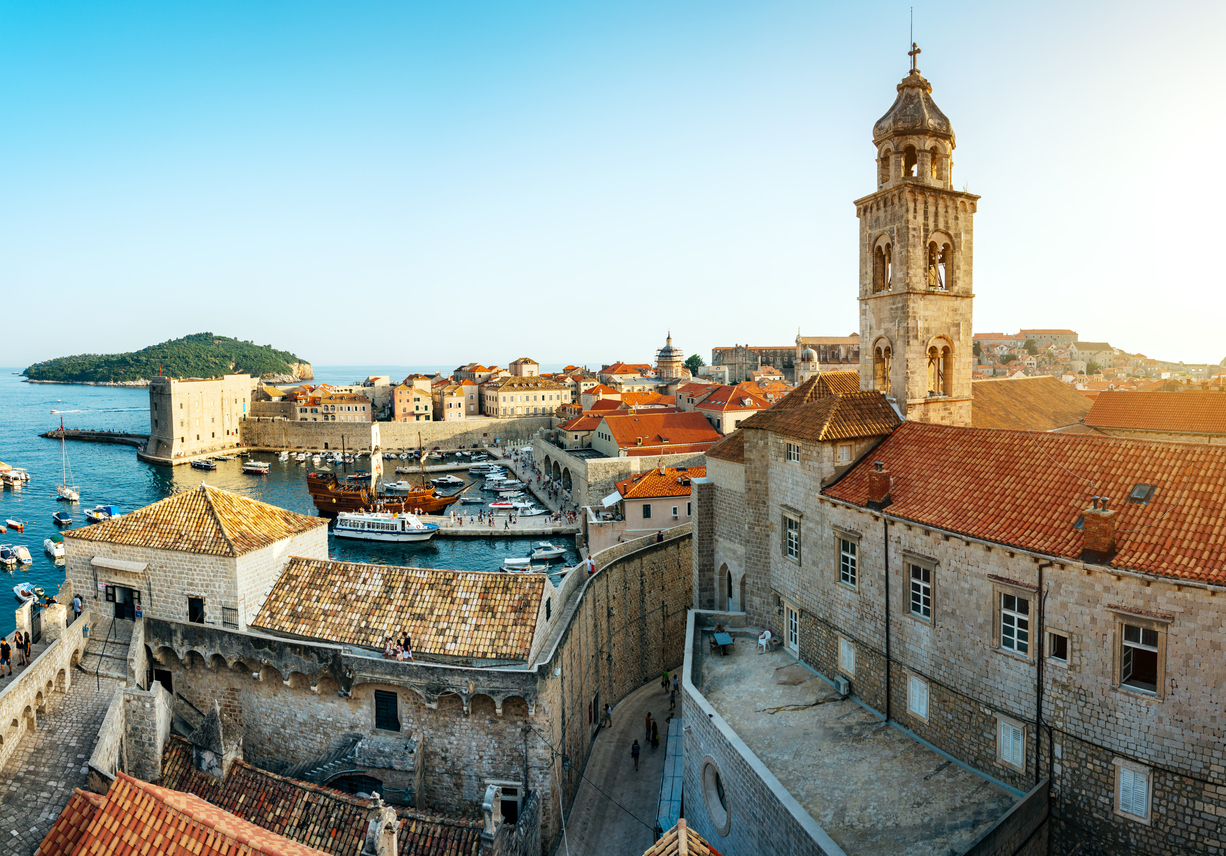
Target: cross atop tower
[(914, 54)]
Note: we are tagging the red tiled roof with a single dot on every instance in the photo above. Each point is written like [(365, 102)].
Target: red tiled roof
[(1027, 490), (644, 399), (1039, 403), (727, 398), (660, 429), (586, 422), (667, 449), (605, 404), (1176, 412), (675, 481), (820, 386), (600, 389), (63, 837)]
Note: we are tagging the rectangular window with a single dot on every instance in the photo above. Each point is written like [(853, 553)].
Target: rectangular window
[(793, 452), (917, 696), (1139, 658), (845, 453), (1015, 624), (1011, 744), (848, 567), (1057, 647), (387, 711), (791, 538), (229, 617), (689, 509), (646, 511), (1132, 791), (920, 602), (847, 656), (195, 610), (793, 618)]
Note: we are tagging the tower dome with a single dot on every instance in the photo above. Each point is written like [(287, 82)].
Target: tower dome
[(914, 139), (913, 113), (808, 356)]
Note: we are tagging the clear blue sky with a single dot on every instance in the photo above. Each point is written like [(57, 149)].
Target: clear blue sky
[(433, 183)]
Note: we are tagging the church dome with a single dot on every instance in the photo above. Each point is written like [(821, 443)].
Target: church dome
[(914, 112), (808, 356)]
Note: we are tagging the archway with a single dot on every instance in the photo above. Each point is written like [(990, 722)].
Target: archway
[(720, 596), (566, 479)]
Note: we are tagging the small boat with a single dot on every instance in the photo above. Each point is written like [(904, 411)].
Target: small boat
[(530, 511), (315, 460), (65, 490), (379, 526), (62, 518), (359, 476), (502, 505), (223, 457), (447, 481), (522, 563), (546, 550), (204, 465), (16, 525), (472, 500), (510, 494), (527, 567), (8, 557), (512, 483), (284, 456), (435, 456), (301, 457), (101, 513), (256, 468), (23, 592), (23, 554), (54, 549)]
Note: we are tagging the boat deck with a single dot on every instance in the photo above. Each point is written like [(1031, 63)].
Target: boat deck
[(521, 528)]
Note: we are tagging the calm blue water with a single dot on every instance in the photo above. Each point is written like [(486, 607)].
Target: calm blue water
[(111, 475)]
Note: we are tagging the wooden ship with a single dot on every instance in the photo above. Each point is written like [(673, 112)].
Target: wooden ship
[(332, 497)]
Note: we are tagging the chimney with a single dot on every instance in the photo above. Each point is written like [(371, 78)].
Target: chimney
[(1098, 540), (879, 483)]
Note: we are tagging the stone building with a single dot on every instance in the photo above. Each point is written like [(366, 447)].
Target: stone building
[(190, 418), (670, 361), (522, 396), (413, 400), (726, 407), (205, 556), (454, 401), (1094, 352), (345, 407), (525, 367)]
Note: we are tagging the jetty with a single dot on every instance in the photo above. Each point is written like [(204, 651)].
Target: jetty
[(91, 436)]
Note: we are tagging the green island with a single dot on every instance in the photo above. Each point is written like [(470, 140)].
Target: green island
[(195, 355)]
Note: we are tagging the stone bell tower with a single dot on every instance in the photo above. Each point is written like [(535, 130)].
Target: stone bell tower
[(915, 264)]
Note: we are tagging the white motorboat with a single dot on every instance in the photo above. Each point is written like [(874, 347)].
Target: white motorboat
[(530, 511), (23, 554), (23, 592), (301, 457), (510, 494), (523, 566), (8, 556), (400, 486), (256, 468), (284, 456), (546, 550), (502, 505), (101, 513), (377, 526), (54, 549), (447, 481)]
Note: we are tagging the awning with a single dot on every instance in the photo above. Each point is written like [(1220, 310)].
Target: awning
[(119, 565), (612, 499)]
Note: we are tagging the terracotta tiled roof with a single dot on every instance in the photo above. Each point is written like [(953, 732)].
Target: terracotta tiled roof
[(1028, 490), (834, 417), (731, 448), (696, 388), (681, 841), (605, 404), (202, 520), (584, 422), (727, 398), (137, 817), (65, 834), (1177, 412), (489, 616), (310, 814), (820, 386), (669, 449), (1039, 403), (513, 382), (675, 481), (659, 429), (601, 389), (644, 399)]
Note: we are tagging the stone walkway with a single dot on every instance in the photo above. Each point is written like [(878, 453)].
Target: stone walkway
[(39, 778), (596, 823)]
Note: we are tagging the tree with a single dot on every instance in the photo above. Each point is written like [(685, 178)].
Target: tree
[(1007, 358), (694, 363), (1093, 368), (977, 350), (1031, 347)]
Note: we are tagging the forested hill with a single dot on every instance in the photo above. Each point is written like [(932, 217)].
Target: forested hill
[(197, 355)]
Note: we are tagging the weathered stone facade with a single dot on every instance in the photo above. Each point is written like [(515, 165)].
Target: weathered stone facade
[(190, 418), (466, 433)]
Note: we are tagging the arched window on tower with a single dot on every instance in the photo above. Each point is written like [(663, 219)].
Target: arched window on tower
[(940, 369), (883, 264), (934, 161), (883, 168), (940, 264), (909, 161), (881, 369)]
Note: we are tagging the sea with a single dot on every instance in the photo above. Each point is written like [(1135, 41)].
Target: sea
[(112, 475)]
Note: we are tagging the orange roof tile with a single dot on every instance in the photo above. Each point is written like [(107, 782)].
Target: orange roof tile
[(820, 386), (448, 613), (65, 834), (1177, 412), (601, 389), (605, 404), (834, 417), (674, 481), (660, 429), (643, 399), (728, 398), (681, 841), (731, 448), (584, 422), (1028, 490), (1039, 403), (202, 520)]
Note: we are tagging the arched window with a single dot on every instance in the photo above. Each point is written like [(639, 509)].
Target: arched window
[(940, 264), (883, 259), (940, 369), (934, 162), (881, 368), (910, 159), (883, 167)]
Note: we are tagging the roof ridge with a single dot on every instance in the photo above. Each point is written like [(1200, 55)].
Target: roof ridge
[(207, 492)]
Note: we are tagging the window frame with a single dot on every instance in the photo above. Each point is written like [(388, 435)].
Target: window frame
[(842, 537), (384, 695), (914, 682), (1017, 739), (847, 656), (792, 453), (646, 510), (1050, 634), (787, 541), (930, 567), (1121, 620), (999, 590), (838, 454), (1125, 769)]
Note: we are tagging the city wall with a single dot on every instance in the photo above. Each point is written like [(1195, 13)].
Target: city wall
[(464, 433), (592, 479)]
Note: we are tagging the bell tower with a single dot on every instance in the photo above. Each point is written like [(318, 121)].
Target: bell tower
[(915, 263)]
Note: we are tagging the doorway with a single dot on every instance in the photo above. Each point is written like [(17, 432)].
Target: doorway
[(126, 600)]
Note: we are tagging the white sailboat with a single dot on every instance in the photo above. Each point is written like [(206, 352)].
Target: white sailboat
[(65, 490)]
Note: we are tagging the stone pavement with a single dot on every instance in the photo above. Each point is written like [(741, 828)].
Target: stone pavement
[(40, 776), (597, 824)]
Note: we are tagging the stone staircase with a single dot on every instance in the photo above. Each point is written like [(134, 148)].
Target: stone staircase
[(337, 759), (106, 653)]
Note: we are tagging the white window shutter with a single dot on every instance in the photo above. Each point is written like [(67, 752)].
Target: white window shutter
[(1127, 784)]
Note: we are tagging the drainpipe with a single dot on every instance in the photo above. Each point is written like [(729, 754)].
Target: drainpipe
[(885, 529), (1038, 701)]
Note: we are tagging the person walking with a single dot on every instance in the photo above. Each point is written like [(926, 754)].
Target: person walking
[(672, 701), (6, 654), (608, 715), (648, 737), (676, 682), (21, 649), (634, 753), (655, 736), (27, 647), (76, 607)]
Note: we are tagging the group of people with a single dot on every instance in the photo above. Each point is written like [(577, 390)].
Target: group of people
[(399, 650), (482, 518), (652, 735), (20, 644)]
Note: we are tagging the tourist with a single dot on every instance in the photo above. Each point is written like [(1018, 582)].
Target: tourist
[(591, 566), (655, 736), (648, 725), (659, 537), (608, 715), (27, 646), (76, 607), (408, 646), (664, 682), (672, 701), (20, 645), (389, 649), (6, 653), (634, 753)]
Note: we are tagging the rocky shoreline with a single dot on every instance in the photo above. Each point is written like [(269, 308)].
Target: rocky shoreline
[(142, 383)]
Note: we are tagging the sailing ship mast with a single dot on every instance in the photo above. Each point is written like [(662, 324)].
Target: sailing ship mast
[(65, 489)]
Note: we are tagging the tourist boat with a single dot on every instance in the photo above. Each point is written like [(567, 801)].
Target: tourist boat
[(485, 469), (256, 468), (515, 484), (65, 490), (447, 481), (8, 557), (331, 497), (15, 478), (204, 465), (301, 457), (378, 526), (101, 513), (23, 592), (16, 525), (509, 494), (53, 548), (502, 505), (62, 518), (223, 457)]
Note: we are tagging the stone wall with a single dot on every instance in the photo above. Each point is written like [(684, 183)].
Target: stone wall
[(107, 757), (465, 433), (146, 726), (592, 479)]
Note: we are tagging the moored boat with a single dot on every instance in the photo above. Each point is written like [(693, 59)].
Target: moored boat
[(256, 468), (23, 592), (8, 556), (16, 525), (62, 518), (101, 513), (546, 550), (65, 490), (447, 481), (400, 527), (23, 554), (332, 497), (502, 505), (53, 548), (204, 464)]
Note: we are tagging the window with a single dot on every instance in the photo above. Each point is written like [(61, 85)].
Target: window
[(646, 511), (512, 799), (793, 452), (847, 657), (845, 453), (793, 619), (1132, 790), (1015, 624), (1139, 658), (917, 696), (848, 561), (715, 797), (195, 610), (919, 603), (1057, 647), (387, 711), (689, 509), (1010, 743), (791, 538), (229, 617)]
